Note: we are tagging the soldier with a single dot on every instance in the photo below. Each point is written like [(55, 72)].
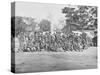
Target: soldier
[(94, 40), (83, 39)]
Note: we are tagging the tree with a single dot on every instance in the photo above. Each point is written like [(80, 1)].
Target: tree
[(45, 25), (81, 16), (22, 24), (31, 24), (17, 25)]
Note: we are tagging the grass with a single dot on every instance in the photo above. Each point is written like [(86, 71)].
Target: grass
[(55, 61)]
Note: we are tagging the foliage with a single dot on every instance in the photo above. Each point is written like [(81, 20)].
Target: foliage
[(22, 24), (82, 16), (45, 25)]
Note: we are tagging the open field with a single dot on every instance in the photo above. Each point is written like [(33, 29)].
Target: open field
[(54, 61)]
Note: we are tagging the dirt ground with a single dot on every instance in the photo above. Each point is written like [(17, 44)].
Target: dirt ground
[(55, 61)]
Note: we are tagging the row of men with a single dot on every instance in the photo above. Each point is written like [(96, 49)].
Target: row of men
[(39, 41)]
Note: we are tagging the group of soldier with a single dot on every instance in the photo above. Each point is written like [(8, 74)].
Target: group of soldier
[(53, 42)]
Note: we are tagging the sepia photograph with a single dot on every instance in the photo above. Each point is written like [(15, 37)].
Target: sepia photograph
[(53, 37)]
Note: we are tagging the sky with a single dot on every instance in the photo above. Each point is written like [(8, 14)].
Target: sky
[(52, 12)]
